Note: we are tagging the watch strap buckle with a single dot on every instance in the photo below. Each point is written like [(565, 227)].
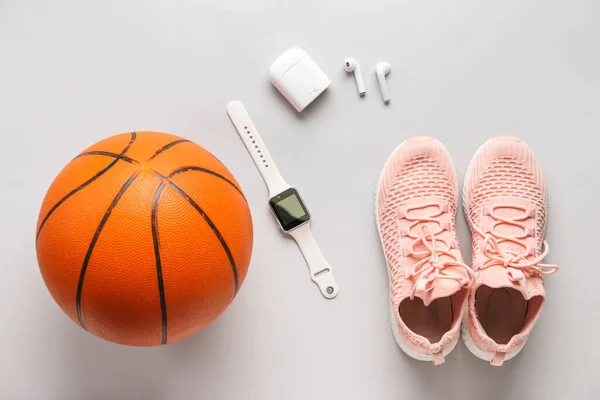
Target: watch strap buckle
[(326, 283), (321, 272)]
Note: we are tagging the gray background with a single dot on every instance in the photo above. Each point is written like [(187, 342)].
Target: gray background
[(73, 72)]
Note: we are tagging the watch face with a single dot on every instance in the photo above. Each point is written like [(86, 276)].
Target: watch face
[(289, 209)]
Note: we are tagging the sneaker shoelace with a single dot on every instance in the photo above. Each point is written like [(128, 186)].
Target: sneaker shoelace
[(517, 264), (431, 267)]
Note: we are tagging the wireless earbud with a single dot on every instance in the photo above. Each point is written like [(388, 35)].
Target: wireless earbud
[(351, 65), (382, 69)]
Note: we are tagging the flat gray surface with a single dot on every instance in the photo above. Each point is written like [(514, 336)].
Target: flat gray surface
[(73, 72)]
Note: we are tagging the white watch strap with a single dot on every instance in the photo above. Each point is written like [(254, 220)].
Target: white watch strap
[(320, 271), (257, 149)]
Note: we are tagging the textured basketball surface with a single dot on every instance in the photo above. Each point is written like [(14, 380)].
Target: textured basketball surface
[(144, 238)]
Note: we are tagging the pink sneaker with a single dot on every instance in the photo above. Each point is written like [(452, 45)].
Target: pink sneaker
[(415, 208), (505, 204)]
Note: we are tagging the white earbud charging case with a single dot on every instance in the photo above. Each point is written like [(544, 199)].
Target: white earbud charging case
[(298, 77)]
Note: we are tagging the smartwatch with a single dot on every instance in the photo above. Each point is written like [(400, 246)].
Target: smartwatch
[(285, 202)]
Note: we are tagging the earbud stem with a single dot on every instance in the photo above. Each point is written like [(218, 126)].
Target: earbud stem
[(360, 82), (385, 94)]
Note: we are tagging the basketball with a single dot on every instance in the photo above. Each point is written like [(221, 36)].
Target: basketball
[(144, 238)]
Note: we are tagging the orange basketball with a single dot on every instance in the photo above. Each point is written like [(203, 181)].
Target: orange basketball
[(144, 238)]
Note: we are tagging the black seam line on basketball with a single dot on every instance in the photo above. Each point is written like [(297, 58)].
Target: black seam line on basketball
[(210, 223), (88, 254), (192, 168), (84, 184), (109, 154), (166, 147), (155, 240), (214, 228)]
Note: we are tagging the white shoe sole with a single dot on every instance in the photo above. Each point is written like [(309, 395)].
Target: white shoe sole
[(401, 343)]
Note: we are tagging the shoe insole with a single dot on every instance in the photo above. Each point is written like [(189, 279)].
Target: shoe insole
[(431, 322), (501, 312)]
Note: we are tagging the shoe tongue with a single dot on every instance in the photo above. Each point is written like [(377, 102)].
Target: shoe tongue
[(442, 287), (498, 277)]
